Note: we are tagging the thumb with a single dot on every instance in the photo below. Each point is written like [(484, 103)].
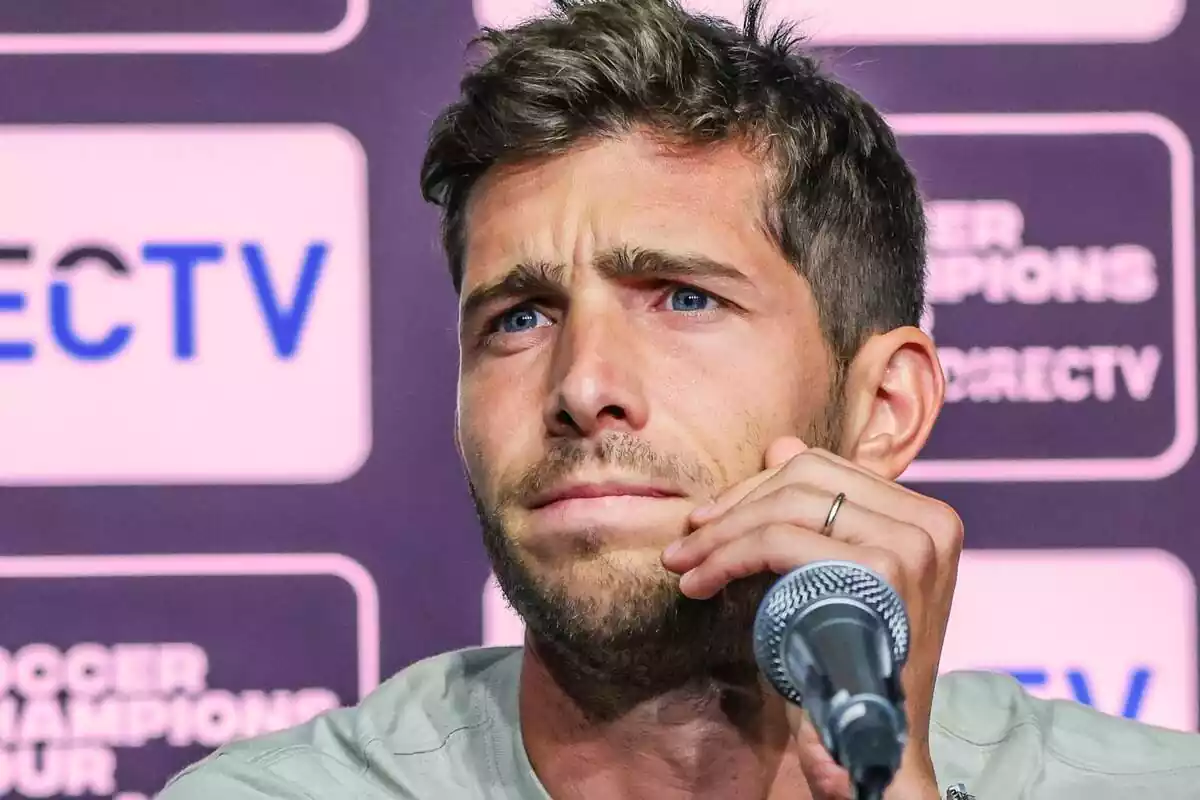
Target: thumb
[(783, 450), (826, 779)]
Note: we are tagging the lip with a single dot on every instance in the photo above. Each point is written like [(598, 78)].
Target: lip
[(595, 490)]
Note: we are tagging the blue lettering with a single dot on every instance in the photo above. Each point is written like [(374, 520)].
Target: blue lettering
[(73, 344), (14, 351), (285, 323), (1139, 682), (1030, 677), (1080, 689), (184, 258), (1135, 693)]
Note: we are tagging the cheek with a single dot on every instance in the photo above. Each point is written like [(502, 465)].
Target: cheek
[(736, 441), (497, 425), (736, 408)]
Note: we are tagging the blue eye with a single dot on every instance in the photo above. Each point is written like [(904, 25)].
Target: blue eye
[(518, 320), (687, 299)]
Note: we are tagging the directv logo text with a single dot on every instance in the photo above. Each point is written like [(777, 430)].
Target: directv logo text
[(282, 319), (184, 305)]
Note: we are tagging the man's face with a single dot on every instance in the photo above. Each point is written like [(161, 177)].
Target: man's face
[(632, 340)]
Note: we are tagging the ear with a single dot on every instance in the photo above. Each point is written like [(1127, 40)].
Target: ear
[(893, 393)]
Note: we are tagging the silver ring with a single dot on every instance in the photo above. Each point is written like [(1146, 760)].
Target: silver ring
[(833, 512)]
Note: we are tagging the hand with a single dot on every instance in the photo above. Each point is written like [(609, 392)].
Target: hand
[(773, 522)]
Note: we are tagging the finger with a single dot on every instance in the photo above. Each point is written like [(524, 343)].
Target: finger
[(866, 473), (777, 548), (795, 504), (833, 474), (934, 516), (824, 775), (783, 450)]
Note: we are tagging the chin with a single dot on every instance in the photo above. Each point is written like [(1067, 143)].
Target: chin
[(623, 564), (610, 578), (609, 569)]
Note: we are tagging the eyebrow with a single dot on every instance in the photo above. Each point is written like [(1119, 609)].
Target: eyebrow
[(546, 278), (535, 278)]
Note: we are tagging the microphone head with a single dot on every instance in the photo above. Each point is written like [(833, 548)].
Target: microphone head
[(801, 588)]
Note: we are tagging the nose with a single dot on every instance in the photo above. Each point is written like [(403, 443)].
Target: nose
[(596, 380)]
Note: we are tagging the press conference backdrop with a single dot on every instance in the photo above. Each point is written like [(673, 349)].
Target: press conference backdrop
[(227, 356)]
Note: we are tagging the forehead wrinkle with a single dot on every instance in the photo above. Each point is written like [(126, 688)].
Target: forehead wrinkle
[(651, 263)]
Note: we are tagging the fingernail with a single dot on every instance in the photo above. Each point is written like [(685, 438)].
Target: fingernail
[(704, 511), (684, 580), (673, 549)]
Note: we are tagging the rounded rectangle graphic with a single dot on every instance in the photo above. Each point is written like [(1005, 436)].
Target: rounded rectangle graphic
[(57, 27), (183, 304), (1061, 296), (1115, 629), (134, 667), (883, 22)]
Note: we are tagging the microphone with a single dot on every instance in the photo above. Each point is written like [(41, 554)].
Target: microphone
[(832, 636)]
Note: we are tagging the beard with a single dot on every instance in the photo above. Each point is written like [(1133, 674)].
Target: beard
[(642, 638)]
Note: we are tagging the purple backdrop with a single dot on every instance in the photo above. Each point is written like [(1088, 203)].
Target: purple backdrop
[(1105, 465)]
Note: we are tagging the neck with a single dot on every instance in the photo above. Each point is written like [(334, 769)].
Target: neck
[(706, 740)]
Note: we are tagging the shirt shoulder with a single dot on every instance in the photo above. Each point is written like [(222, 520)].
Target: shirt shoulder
[(388, 746), (987, 731)]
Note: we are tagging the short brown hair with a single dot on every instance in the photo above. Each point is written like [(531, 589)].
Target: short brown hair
[(843, 208)]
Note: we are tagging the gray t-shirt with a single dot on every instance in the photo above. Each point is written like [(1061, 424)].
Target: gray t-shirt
[(447, 727)]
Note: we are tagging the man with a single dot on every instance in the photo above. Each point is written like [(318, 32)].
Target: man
[(690, 268)]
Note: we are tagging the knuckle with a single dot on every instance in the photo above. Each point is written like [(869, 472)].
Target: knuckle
[(945, 524), (887, 564), (776, 536), (795, 493), (802, 464), (924, 551)]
